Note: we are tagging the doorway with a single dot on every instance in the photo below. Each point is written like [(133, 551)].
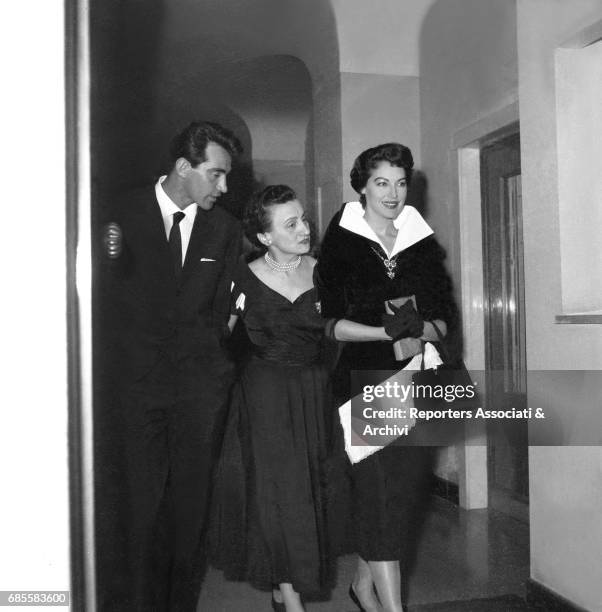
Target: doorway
[(504, 314)]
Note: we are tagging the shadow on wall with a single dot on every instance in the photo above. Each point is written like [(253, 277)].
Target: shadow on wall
[(124, 51), (241, 185), (417, 193), (136, 110)]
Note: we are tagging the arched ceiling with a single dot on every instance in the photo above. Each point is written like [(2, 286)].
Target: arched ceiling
[(380, 37), (273, 96)]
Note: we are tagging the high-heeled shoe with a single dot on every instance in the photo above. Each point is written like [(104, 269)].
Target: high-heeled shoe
[(355, 599), (277, 606)]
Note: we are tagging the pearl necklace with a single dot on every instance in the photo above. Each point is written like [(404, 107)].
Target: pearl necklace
[(279, 267)]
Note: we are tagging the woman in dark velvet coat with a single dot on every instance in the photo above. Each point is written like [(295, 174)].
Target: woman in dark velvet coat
[(376, 250)]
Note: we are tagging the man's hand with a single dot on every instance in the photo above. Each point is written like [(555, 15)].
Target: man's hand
[(112, 240), (405, 322)]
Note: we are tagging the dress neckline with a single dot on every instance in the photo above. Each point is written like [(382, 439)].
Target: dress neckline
[(292, 302)]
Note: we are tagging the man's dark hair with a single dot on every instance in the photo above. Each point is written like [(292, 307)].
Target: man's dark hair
[(192, 142), (258, 218), (393, 152)]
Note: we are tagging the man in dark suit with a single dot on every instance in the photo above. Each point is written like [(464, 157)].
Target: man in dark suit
[(170, 255)]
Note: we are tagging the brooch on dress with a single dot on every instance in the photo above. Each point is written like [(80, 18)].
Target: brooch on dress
[(389, 263), (318, 307)]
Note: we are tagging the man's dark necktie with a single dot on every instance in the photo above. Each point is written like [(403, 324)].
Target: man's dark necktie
[(175, 244)]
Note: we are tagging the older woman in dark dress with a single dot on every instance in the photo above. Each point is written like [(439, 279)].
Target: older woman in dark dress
[(271, 504), (375, 250)]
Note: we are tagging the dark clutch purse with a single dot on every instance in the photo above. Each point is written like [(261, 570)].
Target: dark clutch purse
[(433, 387)]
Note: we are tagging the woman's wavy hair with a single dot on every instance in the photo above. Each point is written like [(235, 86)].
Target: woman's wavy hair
[(257, 218), (396, 154)]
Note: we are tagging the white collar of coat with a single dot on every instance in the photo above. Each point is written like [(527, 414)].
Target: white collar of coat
[(410, 225)]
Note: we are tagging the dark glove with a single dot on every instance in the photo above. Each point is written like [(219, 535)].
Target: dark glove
[(112, 240), (405, 322)]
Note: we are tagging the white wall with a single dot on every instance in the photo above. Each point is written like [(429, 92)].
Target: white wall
[(34, 528), (579, 130), (541, 31), (377, 108), (475, 63), (565, 482), (380, 37), (379, 63)]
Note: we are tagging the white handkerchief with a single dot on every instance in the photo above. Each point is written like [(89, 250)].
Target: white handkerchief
[(358, 450), (432, 359), (355, 447), (207, 259), (240, 302)]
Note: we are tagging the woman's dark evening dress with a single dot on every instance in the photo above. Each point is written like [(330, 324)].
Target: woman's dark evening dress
[(270, 503), (389, 488)]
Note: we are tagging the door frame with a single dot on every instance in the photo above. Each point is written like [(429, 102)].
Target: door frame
[(500, 159), (466, 144), (79, 305)]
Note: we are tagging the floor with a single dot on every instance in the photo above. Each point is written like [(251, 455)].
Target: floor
[(468, 561)]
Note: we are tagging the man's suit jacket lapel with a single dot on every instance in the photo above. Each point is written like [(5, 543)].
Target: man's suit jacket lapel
[(201, 239), (146, 246), (154, 224), (153, 228)]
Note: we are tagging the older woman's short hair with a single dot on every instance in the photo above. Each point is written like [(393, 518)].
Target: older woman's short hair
[(258, 218), (393, 152)]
